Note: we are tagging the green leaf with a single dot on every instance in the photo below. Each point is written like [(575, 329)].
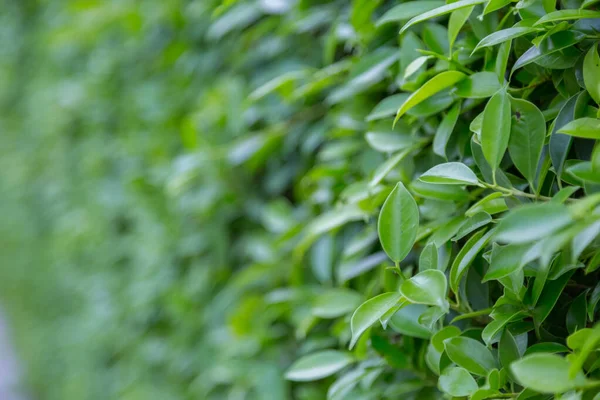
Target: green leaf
[(584, 172), (318, 365), (567, 15), (495, 129), (438, 12), (527, 135), (478, 86), (335, 302), (591, 73), (545, 373), (385, 168), (413, 67), (408, 10), (552, 44), (444, 130), (532, 222), (398, 223), (406, 321), (491, 204), (582, 127), (428, 287), (370, 311), (446, 332), (549, 297), (387, 107), (389, 142), (434, 85), (452, 173), (508, 352), (577, 314), (505, 261), (470, 354), (428, 258), (456, 22), (368, 71), (503, 36), (560, 143), (465, 257), (594, 299), (457, 382), (494, 5), (472, 224), (546, 347)]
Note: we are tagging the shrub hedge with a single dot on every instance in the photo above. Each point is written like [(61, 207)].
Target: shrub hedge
[(307, 199)]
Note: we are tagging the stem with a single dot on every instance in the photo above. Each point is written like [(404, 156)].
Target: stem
[(402, 277), (472, 314), (513, 192)]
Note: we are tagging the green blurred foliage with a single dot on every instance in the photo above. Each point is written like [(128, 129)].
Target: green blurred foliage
[(193, 193)]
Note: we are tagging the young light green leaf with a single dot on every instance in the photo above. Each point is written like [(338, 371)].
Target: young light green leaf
[(470, 354), (434, 85), (478, 86), (428, 287), (495, 129), (591, 73), (438, 12), (567, 15), (414, 67), (370, 311), (408, 10), (452, 173), (457, 382), (444, 130), (582, 127), (398, 223), (527, 135), (532, 222), (545, 373), (318, 365)]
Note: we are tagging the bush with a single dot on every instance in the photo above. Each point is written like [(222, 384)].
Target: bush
[(293, 199)]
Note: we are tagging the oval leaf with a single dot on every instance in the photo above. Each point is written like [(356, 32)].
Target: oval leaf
[(545, 373), (398, 223), (495, 129), (453, 173), (428, 287), (470, 354), (370, 311), (318, 365)]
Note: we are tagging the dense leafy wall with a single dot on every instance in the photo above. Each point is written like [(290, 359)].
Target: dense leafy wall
[(232, 200)]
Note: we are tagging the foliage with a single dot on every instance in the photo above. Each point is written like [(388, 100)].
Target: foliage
[(303, 199)]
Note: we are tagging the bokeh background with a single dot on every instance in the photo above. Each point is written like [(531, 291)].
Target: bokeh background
[(145, 199)]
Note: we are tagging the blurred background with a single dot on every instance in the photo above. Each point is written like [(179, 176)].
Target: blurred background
[(144, 199)]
